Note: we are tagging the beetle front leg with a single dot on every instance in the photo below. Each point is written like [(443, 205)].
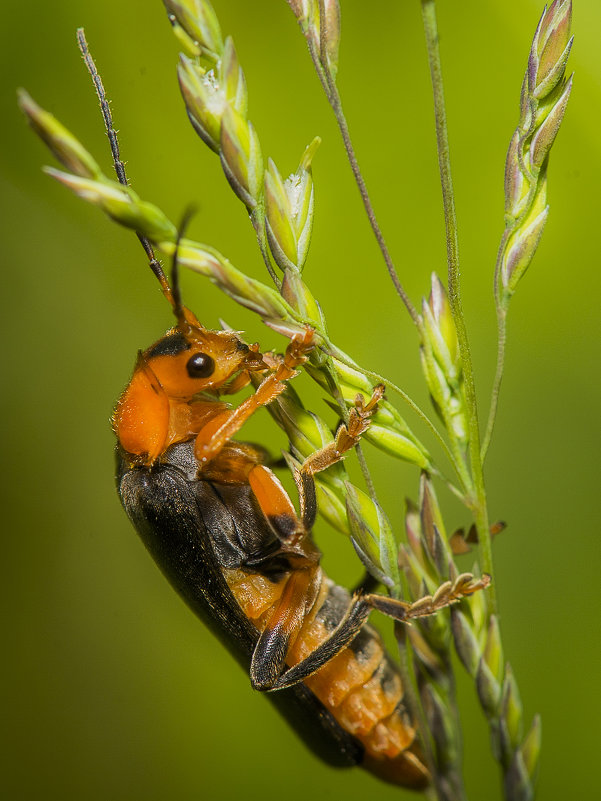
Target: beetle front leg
[(214, 435)]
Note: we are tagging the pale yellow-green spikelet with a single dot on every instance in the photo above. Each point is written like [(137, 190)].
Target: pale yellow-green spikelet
[(289, 211), (64, 146), (241, 159), (372, 537), (441, 362), (208, 92), (204, 100), (121, 203)]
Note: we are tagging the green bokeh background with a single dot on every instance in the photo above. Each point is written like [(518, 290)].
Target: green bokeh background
[(112, 689)]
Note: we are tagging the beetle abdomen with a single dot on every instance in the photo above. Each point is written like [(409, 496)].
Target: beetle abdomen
[(360, 687), (354, 703)]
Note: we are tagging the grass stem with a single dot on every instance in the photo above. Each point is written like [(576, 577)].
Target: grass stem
[(479, 506), (501, 343), (331, 90)]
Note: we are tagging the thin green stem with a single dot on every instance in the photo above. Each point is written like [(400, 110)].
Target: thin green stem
[(480, 506), (501, 342), (450, 486), (344, 130), (369, 482), (458, 463), (501, 299), (331, 90)]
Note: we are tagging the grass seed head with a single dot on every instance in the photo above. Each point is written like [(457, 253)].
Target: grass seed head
[(521, 774), (441, 361), (204, 101), (241, 157), (550, 49), (544, 97)]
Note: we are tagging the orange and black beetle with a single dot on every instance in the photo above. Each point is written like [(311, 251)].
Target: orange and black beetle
[(225, 533)]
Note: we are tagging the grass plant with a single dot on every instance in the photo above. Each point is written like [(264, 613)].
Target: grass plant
[(422, 562)]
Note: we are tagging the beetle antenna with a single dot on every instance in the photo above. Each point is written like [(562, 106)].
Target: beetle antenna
[(176, 294), (118, 164)]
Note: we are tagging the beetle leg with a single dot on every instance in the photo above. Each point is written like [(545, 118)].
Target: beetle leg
[(307, 496), (213, 436), (283, 625), (448, 593), (347, 435), (236, 384), (276, 505), (348, 628)]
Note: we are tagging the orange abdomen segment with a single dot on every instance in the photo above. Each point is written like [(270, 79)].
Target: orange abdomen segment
[(360, 687), (141, 420)]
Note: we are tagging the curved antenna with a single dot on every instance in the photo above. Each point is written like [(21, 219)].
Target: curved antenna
[(111, 133), (176, 295)]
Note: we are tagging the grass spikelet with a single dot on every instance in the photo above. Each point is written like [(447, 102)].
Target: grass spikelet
[(544, 97)]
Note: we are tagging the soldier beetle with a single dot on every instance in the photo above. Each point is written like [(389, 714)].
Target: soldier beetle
[(224, 531), (226, 534)]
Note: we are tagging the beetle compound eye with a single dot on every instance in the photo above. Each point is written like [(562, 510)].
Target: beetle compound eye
[(201, 365)]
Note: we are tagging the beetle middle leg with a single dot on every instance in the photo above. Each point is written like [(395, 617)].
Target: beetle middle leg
[(274, 499), (347, 434), (347, 437)]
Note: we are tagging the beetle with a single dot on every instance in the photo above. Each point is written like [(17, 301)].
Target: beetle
[(223, 530), (226, 534)]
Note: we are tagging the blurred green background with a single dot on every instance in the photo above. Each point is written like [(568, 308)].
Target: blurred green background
[(112, 689)]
